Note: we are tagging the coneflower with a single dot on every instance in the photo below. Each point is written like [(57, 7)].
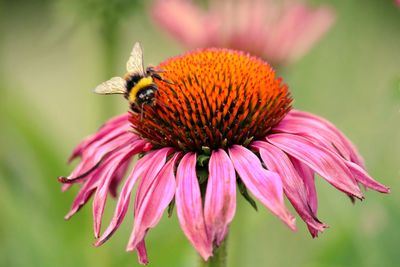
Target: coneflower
[(279, 31), (224, 121)]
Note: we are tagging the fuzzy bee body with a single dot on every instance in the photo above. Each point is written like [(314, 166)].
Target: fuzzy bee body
[(137, 85)]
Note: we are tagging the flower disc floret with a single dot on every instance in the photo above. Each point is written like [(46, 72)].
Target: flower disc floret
[(216, 98)]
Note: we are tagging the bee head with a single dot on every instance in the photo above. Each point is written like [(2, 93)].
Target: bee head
[(146, 95)]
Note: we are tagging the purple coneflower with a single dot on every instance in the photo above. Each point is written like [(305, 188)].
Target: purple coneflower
[(278, 31), (224, 121)]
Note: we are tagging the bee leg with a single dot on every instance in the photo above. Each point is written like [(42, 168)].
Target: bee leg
[(151, 69), (167, 81), (141, 112), (157, 76)]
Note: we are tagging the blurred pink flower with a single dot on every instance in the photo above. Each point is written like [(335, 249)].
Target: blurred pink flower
[(278, 31), (225, 119)]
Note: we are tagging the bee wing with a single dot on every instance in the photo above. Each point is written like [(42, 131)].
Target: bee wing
[(135, 61), (115, 85)]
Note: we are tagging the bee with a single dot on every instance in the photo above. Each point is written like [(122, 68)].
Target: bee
[(138, 85)]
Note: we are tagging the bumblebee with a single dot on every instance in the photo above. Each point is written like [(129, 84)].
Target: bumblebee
[(137, 85)]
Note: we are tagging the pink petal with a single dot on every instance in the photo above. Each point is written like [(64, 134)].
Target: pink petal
[(292, 29), (114, 162), (293, 185), (92, 178), (189, 206), (281, 33), (154, 198), (307, 174), (142, 253), (184, 20), (322, 123), (148, 166), (117, 177), (89, 186), (65, 187), (324, 162), (309, 26), (84, 194), (362, 177), (220, 199), (110, 128), (317, 129), (315, 132), (265, 185), (95, 154)]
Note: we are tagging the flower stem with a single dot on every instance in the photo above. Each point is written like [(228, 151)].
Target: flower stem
[(219, 258)]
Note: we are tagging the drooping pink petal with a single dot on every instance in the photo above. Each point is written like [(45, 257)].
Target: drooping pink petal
[(279, 31), (141, 193), (293, 185), (95, 154), (322, 123), (324, 133), (265, 185), (117, 177), (307, 174), (220, 199), (84, 194), (112, 127), (154, 198), (92, 177), (315, 132), (298, 29), (326, 163), (115, 161), (189, 206), (142, 253), (91, 182), (148, 166), (292, 28), (246, 31), (65, 187), (362, 177), (185, 21)]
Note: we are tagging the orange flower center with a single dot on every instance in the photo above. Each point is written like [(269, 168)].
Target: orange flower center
[(218, 98)]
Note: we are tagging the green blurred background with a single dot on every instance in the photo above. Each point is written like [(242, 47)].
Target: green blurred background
[(52, 53)]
